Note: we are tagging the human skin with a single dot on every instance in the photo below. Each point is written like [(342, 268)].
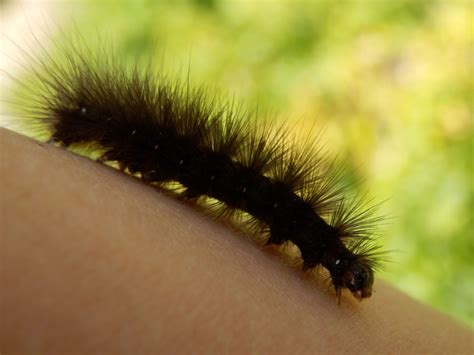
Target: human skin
[(93, 260)]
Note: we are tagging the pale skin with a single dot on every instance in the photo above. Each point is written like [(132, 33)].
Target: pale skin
[(93, 260)]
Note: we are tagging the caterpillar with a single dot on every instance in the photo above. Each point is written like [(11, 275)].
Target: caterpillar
[(166, 131)]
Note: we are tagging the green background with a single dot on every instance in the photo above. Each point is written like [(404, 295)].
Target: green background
[(389, 81)]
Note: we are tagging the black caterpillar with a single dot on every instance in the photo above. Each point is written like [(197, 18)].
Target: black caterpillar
[(167, 132)]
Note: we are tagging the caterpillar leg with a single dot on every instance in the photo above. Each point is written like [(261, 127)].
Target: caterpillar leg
[(56, 142), (103, 158)]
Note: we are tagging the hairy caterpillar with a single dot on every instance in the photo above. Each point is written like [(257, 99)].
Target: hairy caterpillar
[(163, 131)]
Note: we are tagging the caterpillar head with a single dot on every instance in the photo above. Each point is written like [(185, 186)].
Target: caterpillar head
[(356, 276)]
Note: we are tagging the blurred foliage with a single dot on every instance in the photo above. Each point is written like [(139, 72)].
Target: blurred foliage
[(390, 82)]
